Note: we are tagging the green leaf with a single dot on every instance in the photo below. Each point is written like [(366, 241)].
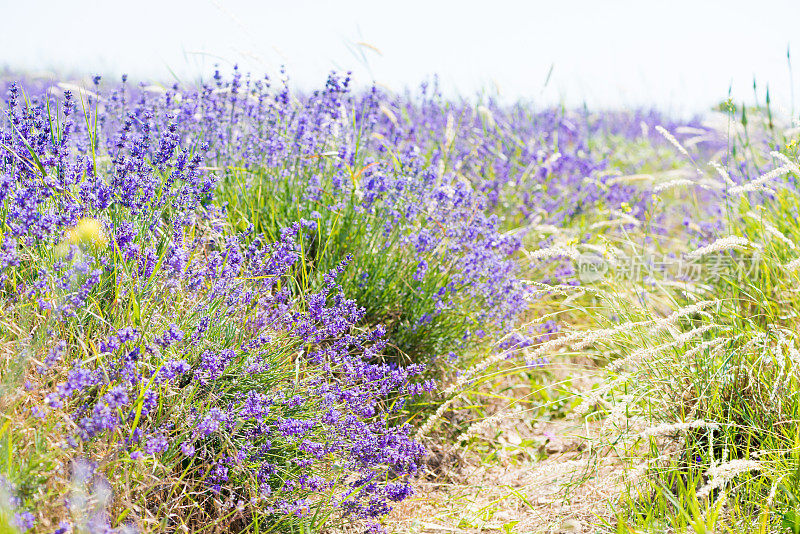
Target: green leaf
[(791, 519)]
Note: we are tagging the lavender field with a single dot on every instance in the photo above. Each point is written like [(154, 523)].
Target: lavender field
[(233, 305)]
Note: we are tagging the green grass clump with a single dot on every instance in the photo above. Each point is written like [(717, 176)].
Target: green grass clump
[(415, 265), (709, 398)]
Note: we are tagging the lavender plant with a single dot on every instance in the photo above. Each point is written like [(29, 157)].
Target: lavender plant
[(154, 341)]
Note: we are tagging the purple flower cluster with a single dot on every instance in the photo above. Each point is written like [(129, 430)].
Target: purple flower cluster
[(531, 167), (285, 429), (168, 337), (435, 184)]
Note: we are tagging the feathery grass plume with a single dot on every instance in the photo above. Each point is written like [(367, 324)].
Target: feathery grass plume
[(723, 173), (618, 412), (486, 115), (630, 178), (771, 230), (562, 288), (792, 265), (87, 231), (477, 428), (787, 162), (82, 92), (680, 182), (559, 289), (705, 345), (531, 358), (595, 395), (783, 342), (671, 319), (721, 474), (547, 228), (758, 183), (772, 491), (435, 417), (671, 138), (389, 114), (733, 242), (593, 336), (621, 221), (553, 252), (629, 219), (670, 428), (534, 356), (638, 356), (794, 357)]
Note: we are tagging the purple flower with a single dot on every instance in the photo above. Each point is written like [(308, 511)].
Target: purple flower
[(24, 521), (156, 444), (172, 369), (422, 268), (56, 354), (210, 423), (172, 335), (187, 448)]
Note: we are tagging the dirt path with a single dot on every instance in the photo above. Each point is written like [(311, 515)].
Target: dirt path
[(519, 477)]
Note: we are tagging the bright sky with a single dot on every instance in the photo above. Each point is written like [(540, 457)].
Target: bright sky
[(676, 54)]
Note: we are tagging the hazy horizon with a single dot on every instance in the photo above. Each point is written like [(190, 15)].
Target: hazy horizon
[(681, 57)]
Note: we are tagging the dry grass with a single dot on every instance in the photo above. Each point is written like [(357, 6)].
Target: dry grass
[(560, 485), (528, 472)]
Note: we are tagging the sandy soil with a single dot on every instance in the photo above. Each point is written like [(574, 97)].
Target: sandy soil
[(537, 477)]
